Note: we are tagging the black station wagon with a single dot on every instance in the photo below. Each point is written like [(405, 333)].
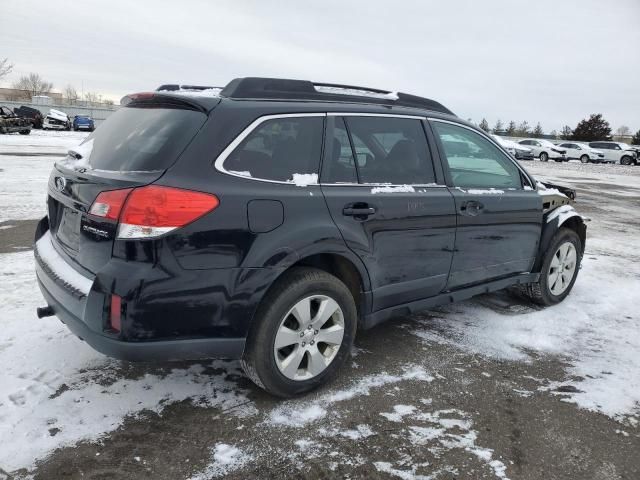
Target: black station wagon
[(269, 220)]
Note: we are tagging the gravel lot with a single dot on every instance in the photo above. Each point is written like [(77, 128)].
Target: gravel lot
[(489, 388)]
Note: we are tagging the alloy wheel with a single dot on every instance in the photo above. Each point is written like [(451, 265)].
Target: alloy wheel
[(562, 268), (309, 337)]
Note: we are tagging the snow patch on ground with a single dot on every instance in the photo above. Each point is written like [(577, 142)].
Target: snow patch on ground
[(57, 391), (448, 429), (595, 330), (225, 459), (298, 413)]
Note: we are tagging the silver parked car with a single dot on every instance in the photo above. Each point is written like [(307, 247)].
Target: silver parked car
[(583, 152)]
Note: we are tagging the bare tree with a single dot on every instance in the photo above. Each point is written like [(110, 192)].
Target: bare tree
[(71, 94), (109, 102), (34, 84), (523, 129), (498, 127), (554, 134), (92, 98), (566, 133), (5, 68), (623, 131)]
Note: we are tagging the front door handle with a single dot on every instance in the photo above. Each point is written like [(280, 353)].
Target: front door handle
[(471, 208), (359, 211)]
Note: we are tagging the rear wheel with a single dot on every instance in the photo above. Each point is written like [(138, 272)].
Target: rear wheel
[(584, 159), (302, 334), (559, 269), (544, 157), (25, 132)]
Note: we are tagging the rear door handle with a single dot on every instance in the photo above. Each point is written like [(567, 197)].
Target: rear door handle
[(471, 208), (358, 211)]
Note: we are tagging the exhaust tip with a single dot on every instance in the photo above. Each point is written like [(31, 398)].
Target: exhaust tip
[(44, 311)]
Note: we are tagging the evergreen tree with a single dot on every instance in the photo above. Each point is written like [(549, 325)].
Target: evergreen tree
[(554, 134), (538, 132), (636, 138), (592, 129), (484, 125), (511, 129), (498, 127)]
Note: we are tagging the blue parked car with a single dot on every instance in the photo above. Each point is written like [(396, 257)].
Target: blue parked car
[(83, 122)]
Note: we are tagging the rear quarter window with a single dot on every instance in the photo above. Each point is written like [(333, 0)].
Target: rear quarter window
[(279, 149)]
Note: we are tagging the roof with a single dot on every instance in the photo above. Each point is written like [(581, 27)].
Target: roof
[(288, 90)]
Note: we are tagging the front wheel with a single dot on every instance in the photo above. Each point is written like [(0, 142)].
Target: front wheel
[(302, 333), (25, 132), (626, 160), (559, 269), (544, 157), (584, 159)]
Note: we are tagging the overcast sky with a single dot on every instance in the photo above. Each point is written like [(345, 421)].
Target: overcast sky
[(549, 61)]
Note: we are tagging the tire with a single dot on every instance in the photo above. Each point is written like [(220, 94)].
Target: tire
[(25, 132), (544, 157), (275, 319), (626, 160), (584, 158), (542, 292)]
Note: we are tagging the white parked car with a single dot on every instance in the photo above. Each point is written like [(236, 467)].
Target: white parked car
[(583, 152), (56, 120), (519, 152), (545, 150), (617, 152)]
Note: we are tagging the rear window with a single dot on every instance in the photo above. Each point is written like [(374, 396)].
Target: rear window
[(141, 139)]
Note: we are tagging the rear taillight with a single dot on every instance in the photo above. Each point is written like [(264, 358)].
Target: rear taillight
[(154, 210), (151, 211), (109, 204)]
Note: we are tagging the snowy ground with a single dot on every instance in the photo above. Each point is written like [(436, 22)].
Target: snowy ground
[(489, 388)]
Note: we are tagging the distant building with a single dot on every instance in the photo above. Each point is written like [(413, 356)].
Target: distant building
[(14, 94)]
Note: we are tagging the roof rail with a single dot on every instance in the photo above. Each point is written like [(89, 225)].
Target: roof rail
[(173, 87), (286, 89)]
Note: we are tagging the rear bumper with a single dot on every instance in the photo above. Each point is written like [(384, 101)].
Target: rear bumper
[(81, 303), (162, 350)]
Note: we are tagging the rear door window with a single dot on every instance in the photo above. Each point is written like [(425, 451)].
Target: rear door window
[(340, 166), (391, 150), (279, 149), (140, 139)]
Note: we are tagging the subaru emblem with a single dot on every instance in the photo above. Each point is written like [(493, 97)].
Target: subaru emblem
[(60, 183)]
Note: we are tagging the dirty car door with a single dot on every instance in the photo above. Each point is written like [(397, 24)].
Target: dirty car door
[(499, 214), (379, 183)]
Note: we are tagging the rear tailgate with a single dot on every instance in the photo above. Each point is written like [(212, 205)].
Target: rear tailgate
[(84, 239), (132, 148)]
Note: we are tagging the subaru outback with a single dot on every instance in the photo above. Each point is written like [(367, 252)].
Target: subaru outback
[(270, 220)]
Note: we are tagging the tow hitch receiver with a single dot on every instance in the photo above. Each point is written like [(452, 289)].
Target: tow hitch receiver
[(44, 311)]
